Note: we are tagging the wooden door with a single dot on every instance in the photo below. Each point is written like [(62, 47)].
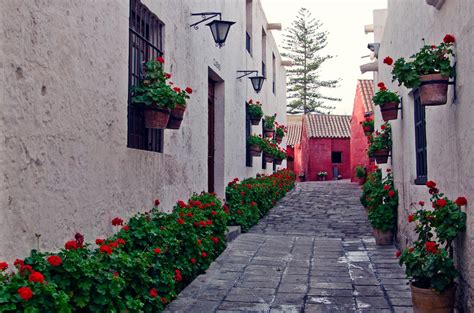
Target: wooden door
[(211, 137)]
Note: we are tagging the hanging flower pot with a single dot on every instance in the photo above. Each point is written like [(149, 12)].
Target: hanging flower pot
[(389, 111), (255, 112), (255, 150), (268, 157), (381, 156), (269, 132), (255, 121), (156, 118), (383, 238), (176, 117), (434, 89), (426, 300), (278, 139), (278, 161), (269, 126)]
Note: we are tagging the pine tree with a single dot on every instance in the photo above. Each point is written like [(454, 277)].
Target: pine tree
[(303, 43)]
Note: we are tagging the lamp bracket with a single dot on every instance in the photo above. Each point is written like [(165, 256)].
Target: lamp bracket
[(246, 73), (205, 17)]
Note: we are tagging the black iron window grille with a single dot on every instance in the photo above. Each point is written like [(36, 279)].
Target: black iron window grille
[(264, 163), (145, 43), (248, 43), (248, 133), (420, 142)]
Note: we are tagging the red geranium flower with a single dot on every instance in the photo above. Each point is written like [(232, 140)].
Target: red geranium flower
[(55, 260), (126, 228), (388, 60), (160, 59), (189, 90), (430, 246), (411, 218), (386, 187), (380, 85), (398, 253), (157, 202), (99, 241), (3, 266), (391, 193), (36, 277), (105, 249), (117, 221), (71, 245), (411, 249), (18, 263), (157, 250), (25, 293), (167, 75), (422, 203), (164, 300), (203, 254), (449, 39), (215, 240), (120, 241), (214, 213), (441, 202), (430, 184), (461, 201), (153, 293), (180, 221), (193, 260), (26, 268)]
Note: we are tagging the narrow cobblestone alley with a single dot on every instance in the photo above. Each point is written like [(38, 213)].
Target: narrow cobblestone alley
[(314, 252)]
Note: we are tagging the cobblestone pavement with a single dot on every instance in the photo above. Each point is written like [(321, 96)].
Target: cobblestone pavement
[(314, 252)]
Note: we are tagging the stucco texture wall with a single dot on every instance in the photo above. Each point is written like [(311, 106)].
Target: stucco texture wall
[(64, 72), (448, 127), (358, 142)]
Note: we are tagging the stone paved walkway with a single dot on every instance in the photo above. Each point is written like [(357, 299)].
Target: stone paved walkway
[(314, 252)]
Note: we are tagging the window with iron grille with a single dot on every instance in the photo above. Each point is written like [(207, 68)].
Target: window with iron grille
[(145, 43), (248, 132), (248, 43), (264, 163), (420, 142)]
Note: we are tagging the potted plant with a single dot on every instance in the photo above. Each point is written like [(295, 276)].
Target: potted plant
[(429, 69), (177, 113), (280, 156), (382, 203), (322, 175), (301, 176), (429, 263), (280, 132), (381, 144), (368, 125), (388, 102), (270, 150), (154, 95), (255, 144), (255, 112), (361, 174), (269, 125)]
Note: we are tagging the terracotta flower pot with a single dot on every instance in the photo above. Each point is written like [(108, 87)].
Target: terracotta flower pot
[(156, 118), (381, 156), (269, 132), (278, 161), (268, 157), (176, 117), (428, 301), (434, 93), (255, 121), (383, 238), (255, 151), (389, 111)]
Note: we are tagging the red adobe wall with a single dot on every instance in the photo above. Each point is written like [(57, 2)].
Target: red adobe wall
[(295, 165), (359, 143), (320, 150)]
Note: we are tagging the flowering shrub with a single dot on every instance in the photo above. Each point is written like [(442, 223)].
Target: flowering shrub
[(281, 130), (154, 91), (430, 59), (270, 147), (256, 140), (368, 125), (381, 200), (255, 109), (429, 261), (385, 96), (252, 198), (360, 171), (382, 140)]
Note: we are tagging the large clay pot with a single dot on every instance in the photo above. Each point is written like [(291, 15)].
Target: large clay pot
[(268, 157), (255, 151), (255, 121), (156, 118), (434, 93), (389, 111), (428, 301), (176, 117), (278, 161), (381, 156), (269, 132), (383, 238)]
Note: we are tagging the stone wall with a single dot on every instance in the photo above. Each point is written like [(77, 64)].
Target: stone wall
[(64, 77), (448, 127)]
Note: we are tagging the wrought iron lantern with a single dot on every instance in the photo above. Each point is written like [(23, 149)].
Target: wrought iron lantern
[(257, 80), (219, 28)]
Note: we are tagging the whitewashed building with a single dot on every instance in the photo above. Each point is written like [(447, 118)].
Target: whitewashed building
[(444, 151), (73, 155)]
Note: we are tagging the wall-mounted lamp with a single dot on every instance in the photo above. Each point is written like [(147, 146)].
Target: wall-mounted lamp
[(219, 28), (257, 80)]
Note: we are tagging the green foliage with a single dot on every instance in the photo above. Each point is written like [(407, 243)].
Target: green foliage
[(429, 262), (360, 171), (385, 96), (381, 199), (429, 60), (281, 130), (269, 121), (154, 91), (303, 43), (381, 140), (252, 198), (256, 140), (368, 125), (255, 110)]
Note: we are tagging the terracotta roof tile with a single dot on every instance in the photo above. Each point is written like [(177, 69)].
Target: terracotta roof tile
[(328, 126), (293, 135), (366, 87)]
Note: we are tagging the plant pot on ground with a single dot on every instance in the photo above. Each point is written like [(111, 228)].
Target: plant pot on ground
[(388, 102), (383, 238), (361, 174), (429, 69), (425, 300)]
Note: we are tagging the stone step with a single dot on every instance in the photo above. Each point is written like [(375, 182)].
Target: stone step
[(232, 233)]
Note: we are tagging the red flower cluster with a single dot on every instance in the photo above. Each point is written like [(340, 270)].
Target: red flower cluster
[(55, 260), (177, 275), (441, 202), (3, 266), (431, 246), (388, 60), (386, 187), (153, 293), (25, 293), (449, 39), (117, 221), (36, 277), (411, 218), (382, 86), (71, 245), (157, 202), (398, 253), (461, 201), (160, 59), (18, 263)]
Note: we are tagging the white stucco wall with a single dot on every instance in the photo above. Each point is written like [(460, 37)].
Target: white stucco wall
[(64, 75), (449, 128)]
